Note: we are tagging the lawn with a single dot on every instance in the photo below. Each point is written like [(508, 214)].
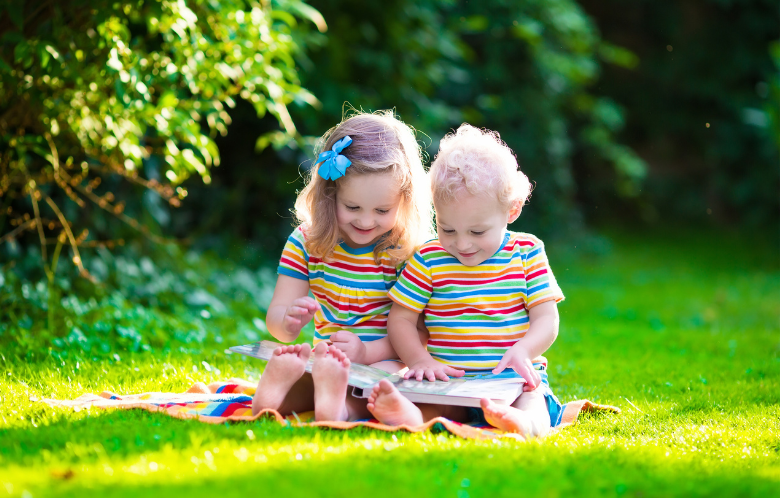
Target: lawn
[(680, 331)]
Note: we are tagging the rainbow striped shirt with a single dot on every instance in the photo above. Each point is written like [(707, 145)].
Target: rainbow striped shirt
[(351, 287), (476, 313)]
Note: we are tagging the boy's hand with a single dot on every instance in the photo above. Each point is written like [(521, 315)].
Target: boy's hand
[(350, 344), (432, 370), (518, 359), (299, 313)]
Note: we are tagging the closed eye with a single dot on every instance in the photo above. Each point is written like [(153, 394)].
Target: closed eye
[(448, 232), (352, 208), (479, 233), (382, 211)]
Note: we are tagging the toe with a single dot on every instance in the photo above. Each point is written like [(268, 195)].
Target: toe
[(320, 349)]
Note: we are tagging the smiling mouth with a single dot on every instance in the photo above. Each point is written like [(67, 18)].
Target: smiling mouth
[(467, 254), (361, 230)]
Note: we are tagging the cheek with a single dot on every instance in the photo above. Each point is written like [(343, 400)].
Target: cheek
[(390, 219), (342, 215)]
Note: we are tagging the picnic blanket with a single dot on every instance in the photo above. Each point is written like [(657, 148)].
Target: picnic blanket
[(222, 402)]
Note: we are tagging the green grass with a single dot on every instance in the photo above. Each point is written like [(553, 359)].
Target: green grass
[(682, 333)]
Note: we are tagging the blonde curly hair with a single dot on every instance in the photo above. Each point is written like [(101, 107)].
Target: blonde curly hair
[(381, 143), (477, 161)]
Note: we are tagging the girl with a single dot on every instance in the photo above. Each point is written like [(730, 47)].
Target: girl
[(364, 211)]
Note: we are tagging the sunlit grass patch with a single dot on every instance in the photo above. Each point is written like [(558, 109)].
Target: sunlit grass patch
[(688, 349)]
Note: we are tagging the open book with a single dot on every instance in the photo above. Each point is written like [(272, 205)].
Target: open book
[(503, 388)]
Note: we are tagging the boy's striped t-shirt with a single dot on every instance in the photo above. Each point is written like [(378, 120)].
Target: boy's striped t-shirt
[(350, 287), (476, 313)]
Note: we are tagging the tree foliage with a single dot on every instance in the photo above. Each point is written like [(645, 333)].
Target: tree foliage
[(525, 69), (93, 90)]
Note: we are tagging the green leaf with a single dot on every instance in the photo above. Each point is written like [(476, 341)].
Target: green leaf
[(307, 12), (45, 56)]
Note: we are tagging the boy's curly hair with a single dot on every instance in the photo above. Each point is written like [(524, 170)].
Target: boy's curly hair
[(477, 161)]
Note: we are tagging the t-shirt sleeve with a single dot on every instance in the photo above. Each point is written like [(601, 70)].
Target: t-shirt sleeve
[(541, 285), (295, 260), (413, 288)]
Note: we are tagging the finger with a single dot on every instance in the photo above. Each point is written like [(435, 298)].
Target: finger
[(291, 320), (309, 304), (309, 301), (419, 374), (408, 374), (534, 375), (454, 372), (441, 375), (525, 372), (298, 310), (430, 374), (501, 365)]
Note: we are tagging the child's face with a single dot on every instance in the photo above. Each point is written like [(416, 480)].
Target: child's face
[(367, 207), (471, 227)]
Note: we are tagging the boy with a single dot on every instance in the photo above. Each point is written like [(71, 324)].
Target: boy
[(488, 295)]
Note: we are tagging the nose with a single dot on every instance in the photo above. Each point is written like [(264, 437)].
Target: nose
[(462, 243), (365, 222)]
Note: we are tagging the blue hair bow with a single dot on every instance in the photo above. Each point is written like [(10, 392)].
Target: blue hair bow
[(334, 165)]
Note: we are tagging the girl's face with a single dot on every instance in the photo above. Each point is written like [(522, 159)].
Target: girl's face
[(471, 227), (367, 207)]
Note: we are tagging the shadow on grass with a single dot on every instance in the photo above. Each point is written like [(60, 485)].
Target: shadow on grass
[(468, 471), (93, 434)]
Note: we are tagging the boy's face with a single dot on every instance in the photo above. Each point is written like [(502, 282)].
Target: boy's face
[(471, 227)]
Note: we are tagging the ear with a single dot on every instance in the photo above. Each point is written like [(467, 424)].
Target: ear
[(514, 212)]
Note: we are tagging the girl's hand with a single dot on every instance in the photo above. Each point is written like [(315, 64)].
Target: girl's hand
[(518, 359), (432, 370), (350, 344), (299, 313)]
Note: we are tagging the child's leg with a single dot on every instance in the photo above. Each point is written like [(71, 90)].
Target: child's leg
[(300, 398), (282, 380), (528, 415), (330, 374), (390, 407), (356, 407)]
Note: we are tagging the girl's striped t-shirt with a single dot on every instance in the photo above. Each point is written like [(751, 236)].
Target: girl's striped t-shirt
[(350, 287), (476, 313)]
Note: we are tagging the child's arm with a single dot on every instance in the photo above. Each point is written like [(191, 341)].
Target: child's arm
[(362, 352), (402, 329), (373, 351), (542, 331), (291, 308)]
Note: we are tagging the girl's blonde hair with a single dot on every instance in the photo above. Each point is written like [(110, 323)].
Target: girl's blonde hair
[(477, 161), (380, 144)]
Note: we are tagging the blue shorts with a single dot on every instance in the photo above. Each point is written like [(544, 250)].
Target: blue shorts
[(554, 407)]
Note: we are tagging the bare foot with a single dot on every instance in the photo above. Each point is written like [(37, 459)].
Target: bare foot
[(508, 418), (330, 373), (390, 407), (285, 368)]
